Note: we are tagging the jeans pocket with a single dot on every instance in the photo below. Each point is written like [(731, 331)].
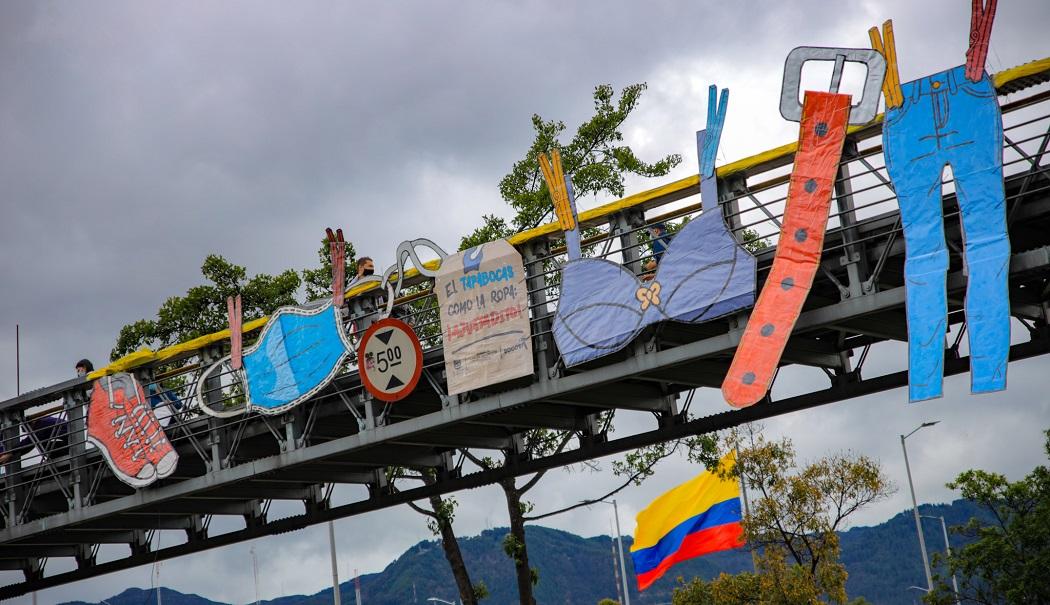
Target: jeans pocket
[(981, 89), (896, 114)]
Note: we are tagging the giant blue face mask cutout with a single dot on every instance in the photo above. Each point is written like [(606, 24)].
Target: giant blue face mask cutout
[(300, 349), (297, 354), (703, 274)]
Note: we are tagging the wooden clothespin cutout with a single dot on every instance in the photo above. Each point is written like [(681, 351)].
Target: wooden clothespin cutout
[(555, 177), (235, 315), (337, 254), (981, 17), (887, 47)]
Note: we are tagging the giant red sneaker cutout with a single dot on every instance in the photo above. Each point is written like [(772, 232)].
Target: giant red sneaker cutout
[(122, 425)]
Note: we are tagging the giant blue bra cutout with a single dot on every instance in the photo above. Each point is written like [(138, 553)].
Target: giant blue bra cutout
[(704, 274)]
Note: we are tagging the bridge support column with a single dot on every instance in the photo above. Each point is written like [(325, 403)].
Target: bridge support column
[(853, 254), (85, 556), (11, 422), (216, 426), (626, 223), (141, 542), (256, 514), (197, 529), (75, 404), (543, 349), (729, 192), (34, 569), (293, 429)]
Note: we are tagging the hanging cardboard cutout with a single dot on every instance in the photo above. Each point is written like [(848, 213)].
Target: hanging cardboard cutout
[(122, 425), (703, 274), (484, 316), (951, 117), (822, 130), (299, 351)]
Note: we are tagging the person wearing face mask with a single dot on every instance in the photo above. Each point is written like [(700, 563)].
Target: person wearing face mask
[(365, 267), (84, 367)]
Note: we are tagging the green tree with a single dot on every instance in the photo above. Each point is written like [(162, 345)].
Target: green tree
[(202, 310), (597, 162), (440, 515), (493, 228), (694, 592), (792, 525), (1007, 561), (595, 159)]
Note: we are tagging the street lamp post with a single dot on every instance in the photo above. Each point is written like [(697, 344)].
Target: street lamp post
[(948, 549), (619, 542), (915, 506), (437, 600)]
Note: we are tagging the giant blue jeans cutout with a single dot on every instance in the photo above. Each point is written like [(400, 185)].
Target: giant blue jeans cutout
[(947, 119)]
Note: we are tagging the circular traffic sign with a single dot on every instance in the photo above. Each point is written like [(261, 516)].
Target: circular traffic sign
[(390, 359)]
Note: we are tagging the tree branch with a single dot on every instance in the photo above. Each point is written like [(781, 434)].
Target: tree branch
[(586, 502), (535, 478), (421, 510)]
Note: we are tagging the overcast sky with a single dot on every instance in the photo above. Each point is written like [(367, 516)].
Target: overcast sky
[(137, 137)]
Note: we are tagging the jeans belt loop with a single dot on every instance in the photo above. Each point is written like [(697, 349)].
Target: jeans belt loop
[(953, 85)]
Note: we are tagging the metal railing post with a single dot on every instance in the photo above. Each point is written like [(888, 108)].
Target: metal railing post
[(75, 403), (853, 254), (216, 426), (543, 349), (12, 420)]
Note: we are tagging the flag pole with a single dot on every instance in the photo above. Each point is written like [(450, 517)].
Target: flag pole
[(747, 509)]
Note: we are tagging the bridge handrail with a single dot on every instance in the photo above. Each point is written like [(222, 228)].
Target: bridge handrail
[(1007, 81)]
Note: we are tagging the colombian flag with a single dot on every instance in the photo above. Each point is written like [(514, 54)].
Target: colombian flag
[(698, 517)]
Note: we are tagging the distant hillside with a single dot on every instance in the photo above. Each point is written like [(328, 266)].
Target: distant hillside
[(137, 596), (883, 561)]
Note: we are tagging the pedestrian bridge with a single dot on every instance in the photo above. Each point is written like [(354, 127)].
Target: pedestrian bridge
[(66, 517)]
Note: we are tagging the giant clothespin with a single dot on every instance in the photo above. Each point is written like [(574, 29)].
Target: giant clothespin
[(707, 146), (981, 17), (562, 196), (236, 317), (337, 254), (887, 47)]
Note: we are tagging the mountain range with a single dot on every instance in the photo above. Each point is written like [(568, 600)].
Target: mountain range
[(882, 560)]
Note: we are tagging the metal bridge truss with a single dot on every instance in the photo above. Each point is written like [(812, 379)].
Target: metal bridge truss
[(66, 504)]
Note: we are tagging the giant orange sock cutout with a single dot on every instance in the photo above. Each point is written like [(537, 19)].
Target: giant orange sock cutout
[(821, 135)]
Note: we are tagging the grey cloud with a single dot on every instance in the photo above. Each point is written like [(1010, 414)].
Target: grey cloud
[(139, 137)]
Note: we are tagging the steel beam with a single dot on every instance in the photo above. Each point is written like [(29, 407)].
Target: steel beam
[(838, 392), (362, 446)]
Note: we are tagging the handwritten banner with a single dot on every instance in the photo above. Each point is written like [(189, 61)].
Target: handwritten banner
[(484, 316)]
